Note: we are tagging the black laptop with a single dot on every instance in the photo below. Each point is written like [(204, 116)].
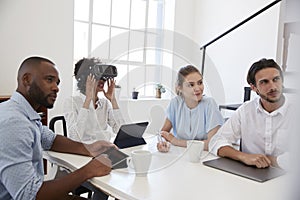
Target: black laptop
[(240, 169), (131, 135)]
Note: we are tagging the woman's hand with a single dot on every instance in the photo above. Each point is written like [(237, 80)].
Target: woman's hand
[(109, 94), (90, 90), (169, 137), (163, 146)]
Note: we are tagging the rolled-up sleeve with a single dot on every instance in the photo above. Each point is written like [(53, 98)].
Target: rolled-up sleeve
[(227, 135), (47, 138)]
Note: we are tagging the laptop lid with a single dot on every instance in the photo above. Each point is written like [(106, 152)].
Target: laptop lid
[(130, 135), (240, 169)]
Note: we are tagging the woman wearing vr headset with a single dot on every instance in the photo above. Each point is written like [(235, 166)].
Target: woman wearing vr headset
[(88, 115)]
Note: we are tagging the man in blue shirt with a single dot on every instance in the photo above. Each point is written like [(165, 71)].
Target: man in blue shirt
[(23, 138)]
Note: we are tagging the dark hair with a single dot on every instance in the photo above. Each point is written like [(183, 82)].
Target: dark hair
[(183, 72), (32, 61), (81, 67), (259, 65)]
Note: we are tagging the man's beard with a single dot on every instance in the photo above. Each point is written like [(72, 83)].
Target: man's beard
[(270, 100), (38, 95)]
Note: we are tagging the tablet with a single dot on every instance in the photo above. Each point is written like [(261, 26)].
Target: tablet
[(241, 169), (117, 157), (130, 135)]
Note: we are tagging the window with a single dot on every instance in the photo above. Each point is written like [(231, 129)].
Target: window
[(128, 34)]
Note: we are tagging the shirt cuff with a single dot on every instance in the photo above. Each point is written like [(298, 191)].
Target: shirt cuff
[(283, 161)]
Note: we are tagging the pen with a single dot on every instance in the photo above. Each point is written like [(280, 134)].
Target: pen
[(160, 138)]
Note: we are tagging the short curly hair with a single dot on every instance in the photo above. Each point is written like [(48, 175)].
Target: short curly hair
[(81, 71)]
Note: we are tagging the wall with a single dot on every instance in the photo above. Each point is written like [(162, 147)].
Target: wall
[(36, 27), (233, 54), (46, 28)]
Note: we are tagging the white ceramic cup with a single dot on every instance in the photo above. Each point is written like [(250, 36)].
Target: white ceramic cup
[(194, 149), (140, 161)]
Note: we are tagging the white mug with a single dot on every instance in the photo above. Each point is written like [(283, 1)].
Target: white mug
[(194, 148), (140, 161)]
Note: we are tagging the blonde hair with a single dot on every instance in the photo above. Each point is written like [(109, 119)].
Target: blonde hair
[(182, 73)]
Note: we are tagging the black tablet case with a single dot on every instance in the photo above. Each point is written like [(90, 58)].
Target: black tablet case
[(131, 135)]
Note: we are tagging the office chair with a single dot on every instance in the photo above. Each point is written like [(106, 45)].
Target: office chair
[(247, 95), (81, 189), (63, 121)]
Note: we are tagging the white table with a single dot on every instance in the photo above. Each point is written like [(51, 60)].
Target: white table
[(173, 177)]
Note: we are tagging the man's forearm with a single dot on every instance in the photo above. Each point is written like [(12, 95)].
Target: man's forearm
[(66, 145), (230, 152), (59, 188)]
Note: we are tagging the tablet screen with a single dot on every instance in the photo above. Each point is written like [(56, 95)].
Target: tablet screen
[(117, 157)]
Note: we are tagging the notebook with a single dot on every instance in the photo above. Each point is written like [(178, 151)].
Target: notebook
[(240, 169), (130, 135)]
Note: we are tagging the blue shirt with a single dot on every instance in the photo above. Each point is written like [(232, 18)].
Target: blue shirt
[(22, 138), (189, 124)]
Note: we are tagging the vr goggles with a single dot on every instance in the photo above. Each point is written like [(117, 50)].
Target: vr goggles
[(103, 71)]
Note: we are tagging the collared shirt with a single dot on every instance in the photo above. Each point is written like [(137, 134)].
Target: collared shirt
[(89, 125), (22, 139), (193, 123), (261, 132)]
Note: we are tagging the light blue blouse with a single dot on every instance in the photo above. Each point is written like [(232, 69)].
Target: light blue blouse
[(193, 123), (22, 139)]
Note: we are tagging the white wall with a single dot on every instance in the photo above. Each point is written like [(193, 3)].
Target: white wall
[(36, 27), (43, 27), (233, 54)]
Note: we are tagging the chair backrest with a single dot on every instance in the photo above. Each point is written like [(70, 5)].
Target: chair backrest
[(247, 93), (63, 121), (157, 119)]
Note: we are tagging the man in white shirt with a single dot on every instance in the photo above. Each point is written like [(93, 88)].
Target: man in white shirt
[(262, 124)]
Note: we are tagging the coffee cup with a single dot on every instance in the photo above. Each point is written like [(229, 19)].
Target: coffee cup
[(140, 161), (194, 150)]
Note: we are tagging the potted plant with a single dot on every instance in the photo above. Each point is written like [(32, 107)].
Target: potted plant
[(135, 94), (159, 90)]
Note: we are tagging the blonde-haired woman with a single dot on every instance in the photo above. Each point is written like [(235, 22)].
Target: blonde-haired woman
[(190, 115)]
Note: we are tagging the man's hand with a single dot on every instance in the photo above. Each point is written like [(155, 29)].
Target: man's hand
[(99, 147), (259, 160), (98, 166)]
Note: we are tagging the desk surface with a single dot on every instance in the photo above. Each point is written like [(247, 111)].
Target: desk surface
[(171, 176)]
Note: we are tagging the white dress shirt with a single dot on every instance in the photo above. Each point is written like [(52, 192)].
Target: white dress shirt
[(261, 132), (89, 125)]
